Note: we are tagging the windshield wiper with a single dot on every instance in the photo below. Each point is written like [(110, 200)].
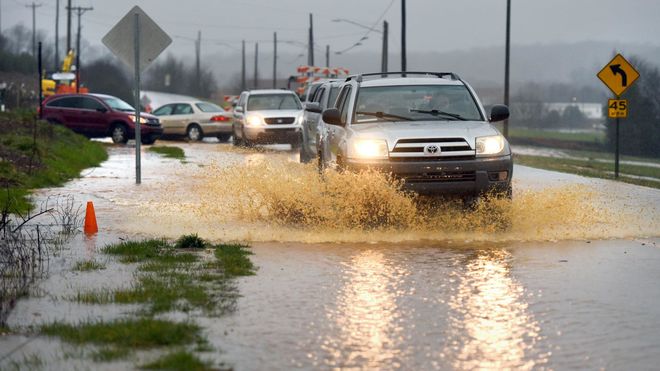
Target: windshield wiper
[(435, 112), (383, 115)]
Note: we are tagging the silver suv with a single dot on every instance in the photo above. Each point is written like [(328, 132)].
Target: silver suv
[(323, 97), (267, 116), (427, 128)]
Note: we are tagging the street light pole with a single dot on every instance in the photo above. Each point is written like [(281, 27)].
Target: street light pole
[(506, 64), (403, 38), (383, 66)]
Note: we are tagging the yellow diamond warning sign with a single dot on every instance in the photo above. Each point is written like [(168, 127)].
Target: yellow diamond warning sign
[(617, 108), (618, 75)]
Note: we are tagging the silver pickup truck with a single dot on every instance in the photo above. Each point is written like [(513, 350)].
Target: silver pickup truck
[(427, 128)]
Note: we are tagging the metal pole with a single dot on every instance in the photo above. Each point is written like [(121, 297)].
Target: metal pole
[(34, 7), (275, 60), (327, 55), (616, 155), (0, 17), (256, 65), (78, 53), (138, 138), (40, 90), (311, 40), (243, 83), (68, 26), (383, 65), (507, 53), (404, 62), (198, 72), (57, 34)]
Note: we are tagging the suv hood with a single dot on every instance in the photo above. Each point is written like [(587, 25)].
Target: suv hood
[(396, 130)]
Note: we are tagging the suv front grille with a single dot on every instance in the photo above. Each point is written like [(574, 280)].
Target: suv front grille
[(443, 176), (422, 149), (280, 120)]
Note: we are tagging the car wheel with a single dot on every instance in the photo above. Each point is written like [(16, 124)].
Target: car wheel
[(119, 134), (224, 137), (194, 133), (149, 139)]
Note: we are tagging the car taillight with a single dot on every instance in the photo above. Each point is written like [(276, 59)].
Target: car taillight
[(219, 118)]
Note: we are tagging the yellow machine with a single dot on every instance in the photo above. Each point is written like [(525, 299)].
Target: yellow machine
[(62, 82)]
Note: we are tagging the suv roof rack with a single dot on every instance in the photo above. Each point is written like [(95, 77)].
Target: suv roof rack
[(441, 75)]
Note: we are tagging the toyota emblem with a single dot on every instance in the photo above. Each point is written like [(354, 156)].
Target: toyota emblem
[(431, 149), (279, 121)]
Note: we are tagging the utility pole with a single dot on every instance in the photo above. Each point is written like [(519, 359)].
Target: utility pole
[(327, 55), (34, 7), (79, 11), (506, 64), (57, 34), (198, 72), (403, 37), (0, 17), (256, 65), (68, 26), (310, 52), (274, 60), (383, 65), (243, 84), (40, 74)]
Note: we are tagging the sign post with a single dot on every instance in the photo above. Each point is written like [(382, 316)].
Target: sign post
[(137, 40), (618, 75)]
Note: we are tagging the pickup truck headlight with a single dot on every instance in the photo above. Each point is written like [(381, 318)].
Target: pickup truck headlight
[(255, 120), (369, 149), (142, 119), (491, 145)]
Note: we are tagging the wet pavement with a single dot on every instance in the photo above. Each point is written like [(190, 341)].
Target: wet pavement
[(545, 295)]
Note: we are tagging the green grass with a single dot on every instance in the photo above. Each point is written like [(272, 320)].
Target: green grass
[(190, 241), (88, 265), (169, 152), (109, 354), (234, 260), (594, 137), (609, 156), (137, 251), (141, 333), (592, 169), (36, 154), (180, 360)]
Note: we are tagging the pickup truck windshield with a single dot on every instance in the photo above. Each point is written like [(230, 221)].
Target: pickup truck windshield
[(416, 103), (261, 102)]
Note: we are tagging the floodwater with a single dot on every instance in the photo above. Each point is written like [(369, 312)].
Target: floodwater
[(355, 274)]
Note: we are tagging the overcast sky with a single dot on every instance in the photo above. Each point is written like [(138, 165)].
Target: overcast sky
[(432, 24)]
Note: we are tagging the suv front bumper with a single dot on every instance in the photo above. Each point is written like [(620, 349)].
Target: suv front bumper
[(289, 134), (471, 176)]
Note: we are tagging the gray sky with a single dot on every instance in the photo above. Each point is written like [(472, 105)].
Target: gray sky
[(432, 24)]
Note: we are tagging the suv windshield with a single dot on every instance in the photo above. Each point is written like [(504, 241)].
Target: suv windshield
[(261, 102), (118, 104), (416, 103)]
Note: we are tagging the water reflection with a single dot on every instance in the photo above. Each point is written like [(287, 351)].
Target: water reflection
[(366, 315), (490, 326)]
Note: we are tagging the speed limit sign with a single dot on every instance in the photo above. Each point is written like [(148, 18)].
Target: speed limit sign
[(617, 108)]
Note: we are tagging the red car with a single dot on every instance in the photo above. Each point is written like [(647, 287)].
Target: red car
[(100, 116)]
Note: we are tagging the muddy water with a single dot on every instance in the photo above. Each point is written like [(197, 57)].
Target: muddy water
[(388, 280)]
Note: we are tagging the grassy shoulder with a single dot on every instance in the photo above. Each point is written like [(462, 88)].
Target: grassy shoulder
[(35, 154), (593, 169), (590, 137), (169, 151)]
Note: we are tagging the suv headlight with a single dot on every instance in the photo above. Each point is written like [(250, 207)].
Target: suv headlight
[(142, 119), (491, 145), (299, 120), (255, 120), (369, 149)]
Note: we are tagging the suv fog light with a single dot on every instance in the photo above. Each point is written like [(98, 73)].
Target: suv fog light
[(498, 176)]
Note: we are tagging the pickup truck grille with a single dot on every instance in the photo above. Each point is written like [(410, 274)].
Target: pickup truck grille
[(431, 148), (280, 120), (443, 176)]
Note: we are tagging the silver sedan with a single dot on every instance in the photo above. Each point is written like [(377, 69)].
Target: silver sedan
[(195, 120)]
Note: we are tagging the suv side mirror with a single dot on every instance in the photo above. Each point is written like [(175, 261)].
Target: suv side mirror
[(499, 112), (332, 116), (238, 109), (313, 107)]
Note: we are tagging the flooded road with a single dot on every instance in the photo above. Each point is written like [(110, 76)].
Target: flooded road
[(572, 284)]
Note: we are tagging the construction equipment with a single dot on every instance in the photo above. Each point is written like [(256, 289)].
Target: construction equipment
[(64, 81)]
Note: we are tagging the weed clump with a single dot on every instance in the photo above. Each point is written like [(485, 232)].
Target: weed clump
[(178, 361), (190, 241), (169, 151), (88, 265)]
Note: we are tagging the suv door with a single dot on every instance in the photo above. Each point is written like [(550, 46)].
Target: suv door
[(337, 133), (312, 120), (238, 116), (65, 110), (93, 117)]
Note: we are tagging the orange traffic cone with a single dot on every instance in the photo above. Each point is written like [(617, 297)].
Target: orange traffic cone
[(90, 219)]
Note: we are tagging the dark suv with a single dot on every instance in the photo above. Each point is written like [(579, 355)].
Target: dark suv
[(99, 116)]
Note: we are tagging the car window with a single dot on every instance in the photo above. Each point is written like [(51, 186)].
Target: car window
[(90, 103), (319, 95), (311, 92), (332, 98), (209, 107), (417, 103), (164, 110), (118, 104), (241, 100), (67, 102), (261, 102), (344, 105), (182, 109)]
